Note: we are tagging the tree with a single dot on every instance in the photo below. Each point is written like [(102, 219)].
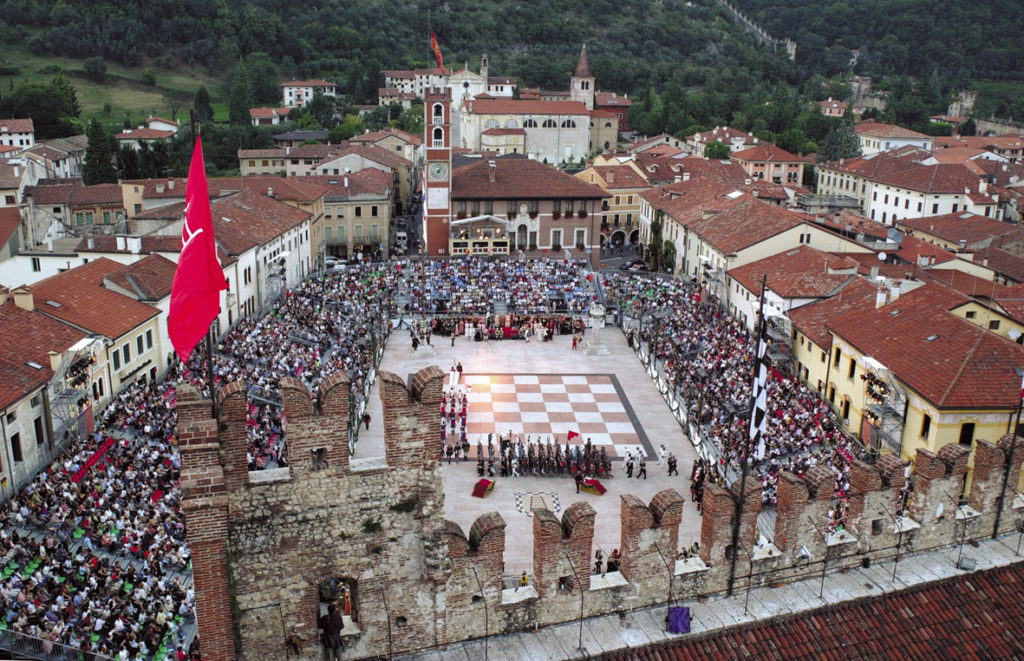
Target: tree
[(201, 108), (352, 125), (99, 156), (95, 69), (60, 81), (376, 119), (717, 150), (321, 107), (970, 127), (241, 99), (841, 142), (49, 107), (264, 80), (128, 163)]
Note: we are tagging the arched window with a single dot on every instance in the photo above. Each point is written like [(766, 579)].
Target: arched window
[(568, 124), (530, 124), (438, 137), (438, 114), (511, 124), (549, 124), (491, 124), (607, 125)]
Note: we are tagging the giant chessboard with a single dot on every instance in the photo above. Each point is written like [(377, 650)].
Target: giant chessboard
[(550, 406)]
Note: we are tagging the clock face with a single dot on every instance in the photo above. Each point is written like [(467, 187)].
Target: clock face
[(438, 171)]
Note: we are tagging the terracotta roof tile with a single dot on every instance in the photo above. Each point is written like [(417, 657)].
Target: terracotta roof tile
[(498, 131), (603, 99), (961, 226), (620, 177), (802, 272), (722, 134), (975, 615), (521, 107), (307, 83), (743, 222), (17, 125), (765, 152), (912, 249), (248, 218), (149, 279), (28, 337), (96, 194), (879, 130), (947, 360), (86, 303), (812, 319), (144, 133), (519, 178)]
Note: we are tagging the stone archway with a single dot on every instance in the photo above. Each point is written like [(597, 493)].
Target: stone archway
[(522, 233), (618, 238), (634, 237)]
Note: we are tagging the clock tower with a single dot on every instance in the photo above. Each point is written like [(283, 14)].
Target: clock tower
[(437, 171)]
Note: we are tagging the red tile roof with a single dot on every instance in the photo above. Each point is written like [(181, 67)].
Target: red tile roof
[(603, 99), (148, 279), (144, 133), (521, 107), (875, 129), (98, 194), (1005, 262), (912, 249), (28, 337), (722, 134), (370, 181), (17, 125), (248, 219), (904, 168), (374, 136), (974, 615), (961, 226), (155, 118), (965, 283), (307, 83), (620, 177), (743, 222), (172, 211), (802, 272), (84, 301), (947, 360), (150, 243), (497, 131), (373, 153), (268, 113), (519, 178), (766, 152), (812, 319)]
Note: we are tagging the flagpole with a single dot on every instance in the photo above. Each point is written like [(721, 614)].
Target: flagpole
[(737, 519), (209, 369)]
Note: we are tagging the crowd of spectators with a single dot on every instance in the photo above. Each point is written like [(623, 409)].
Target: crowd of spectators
[(472, 286), (707, 356)]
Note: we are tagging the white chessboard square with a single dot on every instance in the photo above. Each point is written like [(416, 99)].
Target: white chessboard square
[(476, 378), (552, 387), (598, 439), (588, 416), (530, 396), (562, 428), (525, 378), (581, 397), (602, 387), (617, 427), (504, 427), (534, 416), (478, 397), (480, 416), (558, 407), (503, 387), (505, 407), (574, 380), (611, 407)]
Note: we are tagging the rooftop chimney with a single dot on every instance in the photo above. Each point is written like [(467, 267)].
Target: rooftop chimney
[(170, 184), (90, 242), (16, 170), (880, 298), (121, 245), (491, 167), (346, 182), (5, 294), (686, 176), (611, 177), (270, 192), (134, 244), (54, 360), (24, 300)]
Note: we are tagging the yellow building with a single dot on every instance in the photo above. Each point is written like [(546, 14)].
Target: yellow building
[(910, 374), (620, 212)]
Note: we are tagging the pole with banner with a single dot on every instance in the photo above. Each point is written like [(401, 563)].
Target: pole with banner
[(758, 424), (199, 278)]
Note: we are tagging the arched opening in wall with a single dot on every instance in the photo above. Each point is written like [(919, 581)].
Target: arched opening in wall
[(634, 237), (521, 236), (344, 594), (618, 238)]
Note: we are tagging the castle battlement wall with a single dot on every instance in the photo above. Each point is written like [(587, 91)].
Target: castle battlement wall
[(416, 581)]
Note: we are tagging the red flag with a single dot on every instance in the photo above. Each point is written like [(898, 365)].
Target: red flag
[(572, 435), (198, 280), (437, 50)]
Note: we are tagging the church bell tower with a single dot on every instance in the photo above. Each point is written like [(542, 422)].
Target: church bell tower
[(437, 171)]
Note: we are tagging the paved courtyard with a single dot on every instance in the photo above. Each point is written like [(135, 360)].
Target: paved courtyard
[(547, 389)]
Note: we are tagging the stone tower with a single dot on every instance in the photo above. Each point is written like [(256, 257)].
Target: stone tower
[(484, 62), (582, 86), (437, 173)]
